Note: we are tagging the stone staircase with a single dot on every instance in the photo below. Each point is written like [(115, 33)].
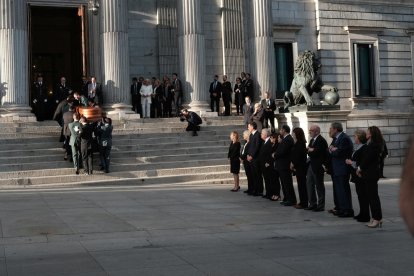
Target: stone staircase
[(145, 151)]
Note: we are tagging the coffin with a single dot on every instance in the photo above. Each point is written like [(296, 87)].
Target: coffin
[(91, 113)]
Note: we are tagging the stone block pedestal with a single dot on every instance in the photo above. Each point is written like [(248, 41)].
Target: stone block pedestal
[(306, 119)]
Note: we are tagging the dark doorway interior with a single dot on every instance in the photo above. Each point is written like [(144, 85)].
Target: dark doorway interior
[(56, 47)]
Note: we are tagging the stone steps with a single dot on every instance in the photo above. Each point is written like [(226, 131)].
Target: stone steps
[(154, 151), (133, 177)]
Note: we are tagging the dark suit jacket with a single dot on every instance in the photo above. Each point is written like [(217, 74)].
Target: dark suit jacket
[(135, 90), (216, 90), (248, 88), (283, 151), (298, 155), (370, 161), (243, 154), (226, 91), (338, 157), (318, 156), (357, 156), (61, 92), (247, 111), (234, 151), (39, 92), (271, 106), (255, 142), (265, 155)]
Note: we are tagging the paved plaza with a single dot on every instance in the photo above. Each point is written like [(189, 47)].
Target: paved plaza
[(192, 230)]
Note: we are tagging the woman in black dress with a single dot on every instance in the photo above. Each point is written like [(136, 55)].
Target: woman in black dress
[(234, 157), (298, 166), (275, 184), (369, 170)]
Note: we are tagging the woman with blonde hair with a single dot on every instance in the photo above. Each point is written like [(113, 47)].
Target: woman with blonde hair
[(146, 93), (234, 157), (359, 151)]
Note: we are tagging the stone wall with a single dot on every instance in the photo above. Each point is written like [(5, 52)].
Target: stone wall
[(371, 22)]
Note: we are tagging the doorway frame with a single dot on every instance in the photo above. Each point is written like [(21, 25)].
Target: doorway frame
[(82, 6)]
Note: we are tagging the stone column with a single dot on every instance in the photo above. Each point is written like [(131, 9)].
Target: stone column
[(233, 38), (263, 61), (14, 90), (192, 54), (115, 56)]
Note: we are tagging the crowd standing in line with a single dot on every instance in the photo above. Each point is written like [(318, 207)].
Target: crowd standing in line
[(271, 160)]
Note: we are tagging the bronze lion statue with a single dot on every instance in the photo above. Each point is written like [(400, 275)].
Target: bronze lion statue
[(306, 81)]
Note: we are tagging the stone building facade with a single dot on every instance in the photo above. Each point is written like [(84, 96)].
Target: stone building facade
[(366, 49)]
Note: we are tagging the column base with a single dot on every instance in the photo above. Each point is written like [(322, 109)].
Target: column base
[(120, 111), (11, 113), (197, 106)]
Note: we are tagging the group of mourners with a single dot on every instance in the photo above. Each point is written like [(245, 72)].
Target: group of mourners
[(272, 159), (82, 137)]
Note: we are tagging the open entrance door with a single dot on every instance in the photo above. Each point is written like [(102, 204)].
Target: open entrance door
[(58, 40)]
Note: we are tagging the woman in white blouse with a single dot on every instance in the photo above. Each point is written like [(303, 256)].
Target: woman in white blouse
[(146, 92)]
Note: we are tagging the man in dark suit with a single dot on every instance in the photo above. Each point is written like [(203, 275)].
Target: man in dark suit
[(340, 149), (84, 86), (215, 94), (255, 142), (226, 93), (282, 163), (248, 86), (266, 162), (177, 90), (269, 107), (40, 99), (194, 121), (247, 111), (95, 92), (135, 94), (317, 151), (62, 90)]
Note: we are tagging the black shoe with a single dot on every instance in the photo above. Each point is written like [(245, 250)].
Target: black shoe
[(246, 192), (257, 194), (77, 172), (345, 215), (106, 171), (288, 203), (362, 219), (319, 209), (333, 211), (310, 208)]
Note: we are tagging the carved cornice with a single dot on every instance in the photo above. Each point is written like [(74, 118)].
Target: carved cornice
[(290, 28), (364, 30)]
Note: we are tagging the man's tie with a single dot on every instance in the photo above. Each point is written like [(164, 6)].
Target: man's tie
[(214, 85), (311, 142)]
